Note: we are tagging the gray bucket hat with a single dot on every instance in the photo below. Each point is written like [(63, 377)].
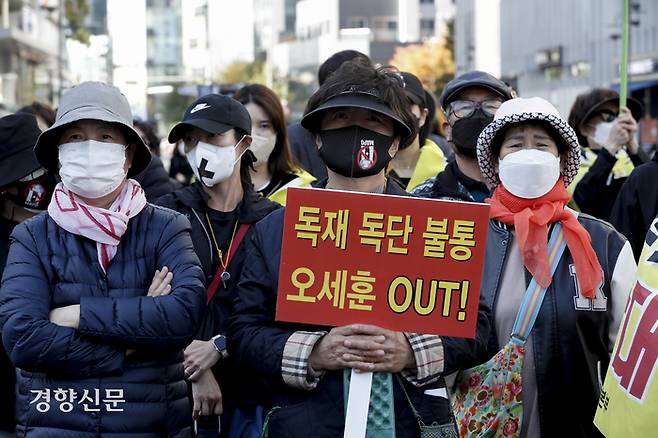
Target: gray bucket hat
[(521, 110), (91, 101)]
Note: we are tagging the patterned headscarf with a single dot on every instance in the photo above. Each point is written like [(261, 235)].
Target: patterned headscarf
[(521, 110)]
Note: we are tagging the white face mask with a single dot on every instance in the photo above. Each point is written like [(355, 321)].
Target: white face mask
[(529, 173), (602, 132), (213, 164), (91, 168), (262, 148)]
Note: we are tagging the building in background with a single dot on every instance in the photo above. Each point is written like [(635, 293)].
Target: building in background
[(97, 19), (117, 50), (164, 61), (164, 54), (574, 47), (477, 36), (374, 27), (577, 46), (92, 62), (152, 49), (274, 22), (214, 36), (127, 31), (419, 20), (29, 53)]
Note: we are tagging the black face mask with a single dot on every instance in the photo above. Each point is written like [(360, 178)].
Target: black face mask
[(355, 152), (33, 195), (465, 132)]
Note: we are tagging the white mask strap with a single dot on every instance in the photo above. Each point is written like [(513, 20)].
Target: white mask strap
[(243, 152)]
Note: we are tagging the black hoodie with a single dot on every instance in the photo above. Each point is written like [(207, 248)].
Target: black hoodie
[(598, 190), (637, 205), (192, 201)]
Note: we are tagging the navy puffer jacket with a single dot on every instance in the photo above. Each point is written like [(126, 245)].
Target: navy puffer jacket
[(48, 267)]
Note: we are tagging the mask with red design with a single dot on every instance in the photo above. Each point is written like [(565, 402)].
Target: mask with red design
[(355, 152), (33, 192)]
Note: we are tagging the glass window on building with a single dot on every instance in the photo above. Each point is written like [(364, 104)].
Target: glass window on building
[(427, 24), (357, 22), (580, 69), (426, 28), (553, 74), (384, 28)]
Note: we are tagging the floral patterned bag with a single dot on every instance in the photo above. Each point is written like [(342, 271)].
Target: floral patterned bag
[(487, 398)]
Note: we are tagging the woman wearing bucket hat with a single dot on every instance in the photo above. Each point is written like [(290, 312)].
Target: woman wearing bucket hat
[(529, 154), (100, 295), (359, 117), (25, 190), (222, 206)]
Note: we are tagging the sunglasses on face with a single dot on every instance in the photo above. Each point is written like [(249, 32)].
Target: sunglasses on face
[(465, 108)]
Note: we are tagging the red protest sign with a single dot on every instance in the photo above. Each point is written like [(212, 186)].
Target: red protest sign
[(403, 263)]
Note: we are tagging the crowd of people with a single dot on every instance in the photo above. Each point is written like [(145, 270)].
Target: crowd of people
[(140, 302)]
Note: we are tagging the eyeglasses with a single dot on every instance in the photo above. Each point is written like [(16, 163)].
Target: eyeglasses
[(465, 108)]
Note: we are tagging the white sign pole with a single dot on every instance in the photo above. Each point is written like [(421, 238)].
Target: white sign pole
[(358, 401)]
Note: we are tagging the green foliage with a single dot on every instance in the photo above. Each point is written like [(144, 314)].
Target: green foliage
[(172, 107), (432, 61), (242, 72), (450, 35), (76, 12)]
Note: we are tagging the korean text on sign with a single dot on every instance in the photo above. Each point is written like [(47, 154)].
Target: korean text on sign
[(403, 263)]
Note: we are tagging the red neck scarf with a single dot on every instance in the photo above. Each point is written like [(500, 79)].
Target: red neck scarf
[(531, 217)]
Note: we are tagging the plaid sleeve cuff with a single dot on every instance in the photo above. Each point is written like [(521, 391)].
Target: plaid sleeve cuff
[(428, 352), (295, 367)]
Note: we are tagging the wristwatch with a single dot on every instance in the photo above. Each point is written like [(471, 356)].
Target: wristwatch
[(219, 341)]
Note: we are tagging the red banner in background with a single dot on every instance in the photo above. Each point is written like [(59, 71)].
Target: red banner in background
[(402, 263)]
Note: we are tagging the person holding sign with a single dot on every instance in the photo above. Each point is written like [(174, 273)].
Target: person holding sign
[(530, 155), (359, 117), (222, 206)]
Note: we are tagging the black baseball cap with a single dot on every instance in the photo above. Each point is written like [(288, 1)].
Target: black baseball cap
[(474, 78), (18, 135), (214, 113), (413, 88)]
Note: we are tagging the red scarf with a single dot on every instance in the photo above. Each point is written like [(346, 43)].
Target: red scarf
[(531, 217)]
